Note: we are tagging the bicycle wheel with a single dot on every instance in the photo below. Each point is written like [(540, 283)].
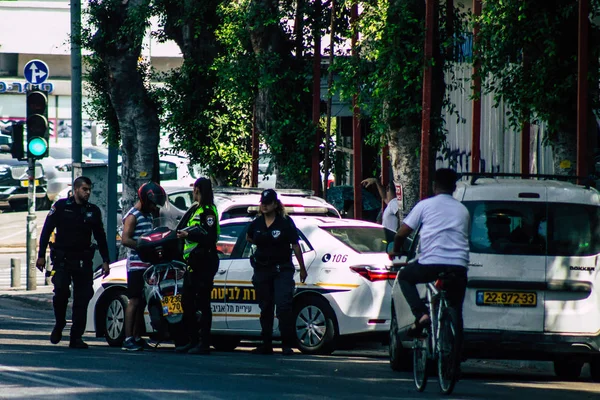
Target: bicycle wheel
[(448, 358), (420, 362)]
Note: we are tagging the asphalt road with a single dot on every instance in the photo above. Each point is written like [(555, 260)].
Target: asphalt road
[(31, 367)]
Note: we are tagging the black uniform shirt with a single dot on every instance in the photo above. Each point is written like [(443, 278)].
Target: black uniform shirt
[(74, 225), (273, 244)]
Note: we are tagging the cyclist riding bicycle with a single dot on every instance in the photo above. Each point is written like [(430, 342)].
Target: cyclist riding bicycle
[(444, 248)]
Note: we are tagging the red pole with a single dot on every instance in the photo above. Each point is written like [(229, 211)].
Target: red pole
[(315, 178), (385, 169), (356, 128), (255, 152), (582, 90), (476, 120), (427, 87)]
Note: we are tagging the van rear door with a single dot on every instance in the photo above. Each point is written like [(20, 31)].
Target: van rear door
[(507, 268), (572, 298)]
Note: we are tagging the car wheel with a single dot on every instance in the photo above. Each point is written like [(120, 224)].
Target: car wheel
[(568, 369), (595, 369), (316, 326), (18, 205), (224, 343), (400, 358), (114, 319), (43, 204)]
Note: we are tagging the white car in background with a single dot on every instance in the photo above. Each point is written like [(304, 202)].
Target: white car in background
[(347, 292)]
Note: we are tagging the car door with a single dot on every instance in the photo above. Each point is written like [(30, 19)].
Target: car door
[(573, 247), (507, 267), (243, 312), (230, 235)]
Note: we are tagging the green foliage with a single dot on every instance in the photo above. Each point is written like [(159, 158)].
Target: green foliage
[(528, 55), (109, 31), (387, 74)]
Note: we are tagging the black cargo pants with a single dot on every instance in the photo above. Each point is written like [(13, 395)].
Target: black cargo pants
[(275, 286), (75, 269), (197, 289)]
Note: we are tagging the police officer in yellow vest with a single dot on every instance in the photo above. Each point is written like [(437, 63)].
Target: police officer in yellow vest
[(200, 229)]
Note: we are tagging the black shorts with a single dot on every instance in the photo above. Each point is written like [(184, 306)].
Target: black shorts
[(135, 284)]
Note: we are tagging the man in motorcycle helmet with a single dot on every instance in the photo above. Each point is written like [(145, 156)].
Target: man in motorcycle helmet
[(137, 222)]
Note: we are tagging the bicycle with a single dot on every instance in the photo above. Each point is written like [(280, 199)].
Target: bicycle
[(439, 342)]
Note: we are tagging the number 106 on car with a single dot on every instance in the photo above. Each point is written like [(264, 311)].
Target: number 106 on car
[(510, 299)]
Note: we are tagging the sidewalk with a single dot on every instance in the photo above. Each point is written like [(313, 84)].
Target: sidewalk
[(41, 297)]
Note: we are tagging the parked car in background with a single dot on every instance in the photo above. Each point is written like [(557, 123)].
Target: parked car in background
[(346, 295), (58, 166), (239, 202), (14, 184)]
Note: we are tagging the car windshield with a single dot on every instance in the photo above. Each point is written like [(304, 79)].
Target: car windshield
[(534, 228), (59, 152), (362, 239)]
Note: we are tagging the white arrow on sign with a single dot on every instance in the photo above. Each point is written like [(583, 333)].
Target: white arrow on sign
[(36, 73)]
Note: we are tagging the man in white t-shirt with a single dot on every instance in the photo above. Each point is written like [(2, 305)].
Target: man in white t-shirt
[(444, 247), (390, 215)]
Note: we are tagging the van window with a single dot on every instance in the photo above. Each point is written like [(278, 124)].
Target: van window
[(502, 227), (534, 228), (573, 230)]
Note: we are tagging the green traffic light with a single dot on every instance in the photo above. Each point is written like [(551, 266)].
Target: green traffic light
[(37, 146)]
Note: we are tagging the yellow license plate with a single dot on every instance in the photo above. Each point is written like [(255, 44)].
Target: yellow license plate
[(501, 298), (171, 305), (26, 183)]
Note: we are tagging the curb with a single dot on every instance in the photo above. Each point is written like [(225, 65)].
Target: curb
[(37, 300)]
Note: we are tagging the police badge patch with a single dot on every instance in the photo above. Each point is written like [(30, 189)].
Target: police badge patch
[(210, 220), (52, 210), (276, 233)]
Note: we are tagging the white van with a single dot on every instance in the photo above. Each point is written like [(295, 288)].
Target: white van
[(534, 286)]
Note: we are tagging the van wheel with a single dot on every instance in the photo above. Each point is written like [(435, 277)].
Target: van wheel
[(224, 343), (595, 369), (400, 357), (316, 326), (568, 369), (114, 319)]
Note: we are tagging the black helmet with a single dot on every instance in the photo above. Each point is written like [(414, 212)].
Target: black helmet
[(152, 192)]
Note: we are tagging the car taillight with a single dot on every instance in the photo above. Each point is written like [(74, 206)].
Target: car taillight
[(374, 274)]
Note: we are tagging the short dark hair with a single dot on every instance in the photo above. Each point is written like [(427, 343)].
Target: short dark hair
[(445, 179), (205, 187), (80, 181)]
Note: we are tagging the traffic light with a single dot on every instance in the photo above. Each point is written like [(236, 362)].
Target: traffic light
[(16, 148), (37, 124)]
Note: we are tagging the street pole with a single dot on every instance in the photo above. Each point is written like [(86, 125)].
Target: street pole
[(76, 119), (31, 227)]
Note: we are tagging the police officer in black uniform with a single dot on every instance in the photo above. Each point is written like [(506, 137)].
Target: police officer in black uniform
[(275, 237), (75, 219), (200, 229)]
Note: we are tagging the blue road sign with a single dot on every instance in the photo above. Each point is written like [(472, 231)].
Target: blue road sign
[(36, 72)]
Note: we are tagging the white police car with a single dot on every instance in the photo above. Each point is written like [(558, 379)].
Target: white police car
[(347, 291), (533, 290)]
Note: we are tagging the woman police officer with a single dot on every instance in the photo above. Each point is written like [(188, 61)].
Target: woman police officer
[(275, 237), (200, 229)]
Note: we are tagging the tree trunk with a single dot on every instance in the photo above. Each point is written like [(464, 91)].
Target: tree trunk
[(564, 149), (117, 43), (404, 155)]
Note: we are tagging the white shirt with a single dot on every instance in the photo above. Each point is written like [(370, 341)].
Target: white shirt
[(390, 215), (444, 234)]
